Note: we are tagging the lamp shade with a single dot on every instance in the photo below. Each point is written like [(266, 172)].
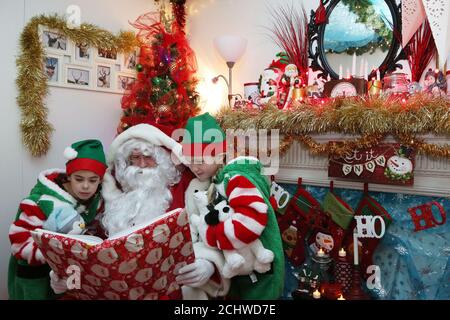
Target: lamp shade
[(231, 48)]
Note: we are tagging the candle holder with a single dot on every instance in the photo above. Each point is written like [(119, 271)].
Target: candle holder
[(322, 264), (374, 87), (299, 94), (343, 272), (356, 292)]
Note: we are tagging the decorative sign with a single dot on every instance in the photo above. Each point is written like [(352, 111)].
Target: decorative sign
[(389, 163), (424, 217), (366, 228)]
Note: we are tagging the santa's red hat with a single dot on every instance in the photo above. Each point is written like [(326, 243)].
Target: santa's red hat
[(146, 132)]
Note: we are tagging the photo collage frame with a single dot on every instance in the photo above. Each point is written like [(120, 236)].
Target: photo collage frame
[(76, 65)]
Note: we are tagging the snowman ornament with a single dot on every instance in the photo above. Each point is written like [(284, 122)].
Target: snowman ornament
[(400, 167)]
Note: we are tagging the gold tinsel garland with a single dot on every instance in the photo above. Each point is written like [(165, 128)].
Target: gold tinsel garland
[(371, 117), (32, 82)]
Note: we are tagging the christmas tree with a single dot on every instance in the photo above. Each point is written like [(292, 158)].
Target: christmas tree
[(164, 91)]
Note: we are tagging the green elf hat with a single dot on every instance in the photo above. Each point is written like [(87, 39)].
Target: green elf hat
[(85, 155), (203, 137)]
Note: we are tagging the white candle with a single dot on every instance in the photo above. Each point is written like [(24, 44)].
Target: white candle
[(355, 248), (361, 68), (366, 68), (320, 253), (378, 74), (316, 294), (354, 64), (348, 73), (340, 71)]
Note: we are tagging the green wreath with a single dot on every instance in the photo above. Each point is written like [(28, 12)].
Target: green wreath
[(396, 176)]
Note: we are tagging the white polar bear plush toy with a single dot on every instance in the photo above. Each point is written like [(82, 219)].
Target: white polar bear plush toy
[(237, 262)]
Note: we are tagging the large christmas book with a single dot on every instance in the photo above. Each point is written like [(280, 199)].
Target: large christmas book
[(138, 263)]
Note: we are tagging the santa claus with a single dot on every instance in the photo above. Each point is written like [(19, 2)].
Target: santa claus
[(142, 182)]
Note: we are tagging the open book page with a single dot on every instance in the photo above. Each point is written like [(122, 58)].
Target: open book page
[(143, 225), (137, 265), (90, 240)]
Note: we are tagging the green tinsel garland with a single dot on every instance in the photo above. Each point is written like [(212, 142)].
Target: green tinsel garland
[(32, 82)]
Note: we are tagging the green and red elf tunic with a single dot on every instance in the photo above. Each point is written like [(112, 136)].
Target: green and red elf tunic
[(248, 194), (28, 274)]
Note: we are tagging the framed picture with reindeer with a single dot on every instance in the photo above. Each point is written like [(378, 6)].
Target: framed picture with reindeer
[(124, 81), (52, 68), (83, 54), (77, 77), (54, 41), (105, 76)]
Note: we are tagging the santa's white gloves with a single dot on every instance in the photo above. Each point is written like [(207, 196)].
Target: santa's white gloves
[(58, 285), (195, 274)]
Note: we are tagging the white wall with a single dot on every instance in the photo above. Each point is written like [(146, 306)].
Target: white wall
[(248, 18), (75, 114)]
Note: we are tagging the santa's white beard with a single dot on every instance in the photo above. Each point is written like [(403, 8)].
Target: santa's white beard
[(146, 195)]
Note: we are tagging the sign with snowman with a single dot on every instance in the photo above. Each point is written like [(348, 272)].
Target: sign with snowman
[(389, 163)]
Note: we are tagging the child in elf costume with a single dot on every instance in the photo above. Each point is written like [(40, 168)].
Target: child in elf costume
[(247, 192), (76, 188)]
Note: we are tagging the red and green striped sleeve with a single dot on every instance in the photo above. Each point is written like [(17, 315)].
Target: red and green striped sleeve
[(247, 222), (23, 246)]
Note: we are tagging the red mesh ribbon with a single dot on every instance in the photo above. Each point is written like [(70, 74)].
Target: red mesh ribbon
[(163, 52)]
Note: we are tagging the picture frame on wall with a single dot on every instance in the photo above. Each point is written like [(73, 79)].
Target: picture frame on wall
[(77, 76), (54, 41), (83, 54), (107, 55), (129, 61), (124, 81), (104, 77), (52, 68)]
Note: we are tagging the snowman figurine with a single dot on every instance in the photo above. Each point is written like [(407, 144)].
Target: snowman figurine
[(400, 167)]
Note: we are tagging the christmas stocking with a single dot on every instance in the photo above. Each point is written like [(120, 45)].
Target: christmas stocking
[(295, 224), (279, 198), (366, 246), (331, 226)]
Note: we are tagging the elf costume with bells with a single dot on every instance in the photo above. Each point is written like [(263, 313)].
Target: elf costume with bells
[(28, 274)]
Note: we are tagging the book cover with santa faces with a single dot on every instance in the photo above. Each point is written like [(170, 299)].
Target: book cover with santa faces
[(138, 264)]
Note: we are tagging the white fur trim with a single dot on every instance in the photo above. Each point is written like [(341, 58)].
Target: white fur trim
[(70, 153), (53, 186), (143, 131), (242, 158)]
